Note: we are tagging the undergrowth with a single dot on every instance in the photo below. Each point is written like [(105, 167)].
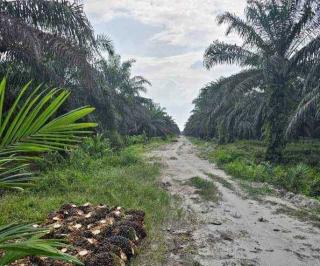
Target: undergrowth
[(94, 173), (299, 172)]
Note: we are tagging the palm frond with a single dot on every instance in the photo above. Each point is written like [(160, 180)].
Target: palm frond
[(62, 17), (220, 53), (29, 127), (245, 31), (307, 109), (18, 241)]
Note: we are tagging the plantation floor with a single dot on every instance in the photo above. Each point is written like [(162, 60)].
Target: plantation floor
[(224, 225)]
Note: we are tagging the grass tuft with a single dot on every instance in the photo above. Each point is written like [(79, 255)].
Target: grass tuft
[(206, 189)]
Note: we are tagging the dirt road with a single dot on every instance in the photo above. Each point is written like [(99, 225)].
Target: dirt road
[(235, 230)]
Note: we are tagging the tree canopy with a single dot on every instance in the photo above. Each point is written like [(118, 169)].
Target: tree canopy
[(53, 42), (277, 88)]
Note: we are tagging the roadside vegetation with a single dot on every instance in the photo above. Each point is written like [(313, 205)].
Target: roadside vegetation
[(265, 118), (98, 174), (299, 172), (61, 83)]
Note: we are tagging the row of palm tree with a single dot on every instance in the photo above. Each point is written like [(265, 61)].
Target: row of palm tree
[(52, 42), (275, 95), (133, 113)]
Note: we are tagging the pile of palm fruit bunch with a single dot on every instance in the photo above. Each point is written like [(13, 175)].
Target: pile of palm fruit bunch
[(98, 235)]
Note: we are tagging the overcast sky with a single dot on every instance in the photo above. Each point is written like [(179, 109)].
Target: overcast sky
[(168, 39)]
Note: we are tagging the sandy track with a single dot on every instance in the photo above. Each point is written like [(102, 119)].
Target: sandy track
[(242, 238)]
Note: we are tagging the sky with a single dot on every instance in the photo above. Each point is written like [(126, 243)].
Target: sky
[(168, 39)]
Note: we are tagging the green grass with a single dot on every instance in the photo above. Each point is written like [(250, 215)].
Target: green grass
[(117, 179), (299, 173), (206, 189)]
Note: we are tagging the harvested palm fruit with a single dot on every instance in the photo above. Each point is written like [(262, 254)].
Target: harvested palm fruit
[(98, 235)]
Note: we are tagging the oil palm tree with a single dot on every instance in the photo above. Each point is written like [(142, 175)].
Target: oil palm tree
[(226, 114), (34, 32), (281, 44), (52, 41)]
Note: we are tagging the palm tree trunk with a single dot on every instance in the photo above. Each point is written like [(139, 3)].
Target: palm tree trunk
[(277, 123)]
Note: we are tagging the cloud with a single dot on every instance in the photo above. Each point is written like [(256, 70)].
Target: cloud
[(175, 83), (197, 65), (168, 38), (185, 22)]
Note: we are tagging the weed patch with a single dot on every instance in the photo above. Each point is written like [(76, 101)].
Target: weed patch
[(119, 178), (298, 173), (206, 189)]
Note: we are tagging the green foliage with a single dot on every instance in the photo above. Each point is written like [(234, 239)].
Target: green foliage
[(133, 114), (206, 189), (19, 241), (29, 128), (116, 140), (276, 94), (315, 187), (123, 179), (223, 157), (296, 178), (139, 139), (243, 160), (53, 42), (97, 146)]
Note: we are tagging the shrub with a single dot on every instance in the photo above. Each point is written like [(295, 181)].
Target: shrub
[(97, 146), (298, 173), (115, 139), (297, 177), (139, 139), (222, 156), (315, 188), (126, 157)]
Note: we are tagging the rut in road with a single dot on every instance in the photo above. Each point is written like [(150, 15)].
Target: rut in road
[(235, 230)]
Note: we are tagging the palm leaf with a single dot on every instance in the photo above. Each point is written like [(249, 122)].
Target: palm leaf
[(18, 241), (29, 127)]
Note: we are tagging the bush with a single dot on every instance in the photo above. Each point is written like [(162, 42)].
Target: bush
[(97, 146), (222, 157), (51, 160), (115, 139), (315, 188), (133, 140), (297, 178), (126, 157)]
